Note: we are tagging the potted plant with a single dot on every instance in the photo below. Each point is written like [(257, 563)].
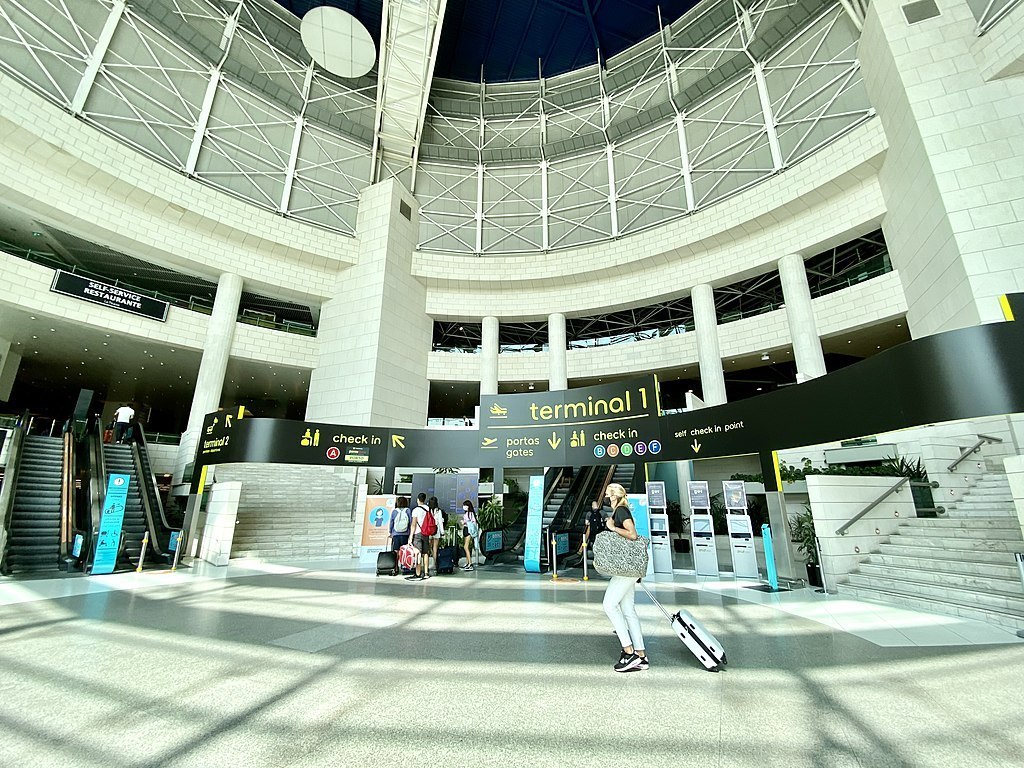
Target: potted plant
[(801, 530)]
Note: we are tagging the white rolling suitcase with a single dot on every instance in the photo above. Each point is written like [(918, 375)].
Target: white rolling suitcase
[(702, 644)]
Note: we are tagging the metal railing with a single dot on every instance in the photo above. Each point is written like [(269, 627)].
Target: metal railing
[(982, 440), (841, 530)]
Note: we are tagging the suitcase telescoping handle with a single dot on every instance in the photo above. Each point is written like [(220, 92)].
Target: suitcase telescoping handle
[(654, 599)]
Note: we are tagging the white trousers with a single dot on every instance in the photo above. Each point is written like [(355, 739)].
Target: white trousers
[(618, 604)]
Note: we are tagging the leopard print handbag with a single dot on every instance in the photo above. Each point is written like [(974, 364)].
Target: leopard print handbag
[(615, 555)]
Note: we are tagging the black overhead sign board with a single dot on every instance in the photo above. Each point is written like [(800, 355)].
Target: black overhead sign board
[(108, 295), (962, 374), (609, 424)]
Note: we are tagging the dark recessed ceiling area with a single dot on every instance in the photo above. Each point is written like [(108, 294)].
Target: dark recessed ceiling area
[(504, 39)]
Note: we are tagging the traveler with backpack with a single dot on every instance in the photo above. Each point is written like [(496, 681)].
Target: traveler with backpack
[(422, 528), (470, 530), (439, 523), (401, 519)]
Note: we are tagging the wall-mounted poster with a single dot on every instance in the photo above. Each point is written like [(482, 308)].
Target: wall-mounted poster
[(376, 525)]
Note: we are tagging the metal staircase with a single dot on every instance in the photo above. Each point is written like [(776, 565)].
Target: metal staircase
[(33, 544)]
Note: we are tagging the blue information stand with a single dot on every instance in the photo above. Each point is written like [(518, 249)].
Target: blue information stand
[(108, 539), (534, 521), (769, 557)]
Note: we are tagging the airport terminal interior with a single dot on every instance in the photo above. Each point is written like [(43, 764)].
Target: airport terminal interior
[(693, 328)]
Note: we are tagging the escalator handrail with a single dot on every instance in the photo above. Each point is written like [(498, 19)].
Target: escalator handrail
[(67, 490), (145, 467), (572, 497), (97, 489), (549, 492), (140, 475), (17, 438)]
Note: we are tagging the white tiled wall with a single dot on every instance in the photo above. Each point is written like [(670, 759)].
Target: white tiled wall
[(375, 335), (953, 178)]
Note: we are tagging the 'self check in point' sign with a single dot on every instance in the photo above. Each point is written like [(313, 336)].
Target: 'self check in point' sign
[(591, 425)]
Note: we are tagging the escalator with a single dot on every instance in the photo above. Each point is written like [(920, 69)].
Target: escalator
[(33, 521), (144, 511), (514, 534), (574, 519)]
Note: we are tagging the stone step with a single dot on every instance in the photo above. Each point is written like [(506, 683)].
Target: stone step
[(966, 581), (945, 542), (1000, 570), (915, 549), (1012, 603), (974, 523), (1001, 618), (965, 532)]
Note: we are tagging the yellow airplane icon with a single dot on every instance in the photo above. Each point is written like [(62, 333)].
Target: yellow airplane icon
[(488, 442), (497, 410)]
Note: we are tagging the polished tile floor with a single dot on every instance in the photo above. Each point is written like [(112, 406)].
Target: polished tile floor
[(323, 664)]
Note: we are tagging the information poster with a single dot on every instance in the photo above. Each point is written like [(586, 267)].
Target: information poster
[(656, 494), (735, 494), (534, 520), (376, 524), (493, 541), (638, 505), (700, 497), (108, 539)]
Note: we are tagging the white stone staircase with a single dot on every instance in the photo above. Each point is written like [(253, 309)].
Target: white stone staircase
[(960, 565), (989, 496), (293, 512)]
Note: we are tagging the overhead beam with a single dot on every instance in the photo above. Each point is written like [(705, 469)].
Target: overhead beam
[(410, 34)]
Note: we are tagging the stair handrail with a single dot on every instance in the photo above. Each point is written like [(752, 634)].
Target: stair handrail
[(982, 440), (17, 438), (841, 530)]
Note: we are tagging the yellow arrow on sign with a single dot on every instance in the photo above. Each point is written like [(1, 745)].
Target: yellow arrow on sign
[(695, 446), (554, 441), (398, 441)]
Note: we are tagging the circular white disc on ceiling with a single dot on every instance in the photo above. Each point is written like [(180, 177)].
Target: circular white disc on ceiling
[(338, 42)]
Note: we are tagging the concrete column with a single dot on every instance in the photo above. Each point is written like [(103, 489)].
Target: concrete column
[(810, 362), (949, 102), (489, 357), (558, 377), (220, 333), (10, 362), (375, 334), (712, 377)]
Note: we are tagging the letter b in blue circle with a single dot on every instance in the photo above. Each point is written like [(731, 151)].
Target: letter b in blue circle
[(599, 451)]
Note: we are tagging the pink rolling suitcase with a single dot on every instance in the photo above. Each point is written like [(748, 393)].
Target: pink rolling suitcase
[(701, 643), (408, 556)]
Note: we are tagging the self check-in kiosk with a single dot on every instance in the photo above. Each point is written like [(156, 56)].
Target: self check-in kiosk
[(741, 530), (702, 529), (661, 547)]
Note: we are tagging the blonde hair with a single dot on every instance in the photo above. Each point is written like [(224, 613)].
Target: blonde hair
[(614, 489)]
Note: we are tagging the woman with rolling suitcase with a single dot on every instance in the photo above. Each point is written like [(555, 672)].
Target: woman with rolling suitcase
[(620, 596)]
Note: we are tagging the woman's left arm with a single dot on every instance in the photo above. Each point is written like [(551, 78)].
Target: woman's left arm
[(627, 531)]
